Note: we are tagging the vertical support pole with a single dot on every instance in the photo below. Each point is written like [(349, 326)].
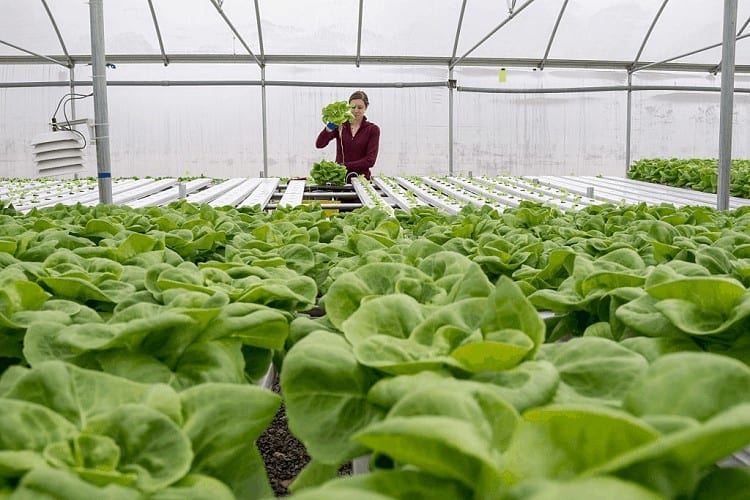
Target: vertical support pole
[(727, 102), (72, 73), (101, 120), (263, 117), (451, 86), (629, 125)]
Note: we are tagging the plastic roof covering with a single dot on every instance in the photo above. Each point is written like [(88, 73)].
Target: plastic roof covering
[(590, 30), (216, 130)]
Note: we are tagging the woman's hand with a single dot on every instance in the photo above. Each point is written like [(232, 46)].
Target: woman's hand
[(331, 126)]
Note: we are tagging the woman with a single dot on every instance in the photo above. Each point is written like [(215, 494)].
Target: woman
[(357, 143)]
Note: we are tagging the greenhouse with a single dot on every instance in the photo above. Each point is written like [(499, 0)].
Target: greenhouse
[(374, 249)]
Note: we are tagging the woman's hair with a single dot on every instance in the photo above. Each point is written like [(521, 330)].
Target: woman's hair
[(360, 95)]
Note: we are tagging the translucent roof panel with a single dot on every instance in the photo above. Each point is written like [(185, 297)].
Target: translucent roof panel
[(606, 30), (27, 25), (321, 27), (196, 26), (690, 25), (425, 29), (136, 35), (524, 36), (598, 30)]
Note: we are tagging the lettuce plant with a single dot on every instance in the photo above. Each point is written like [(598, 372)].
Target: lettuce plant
[(66, 430), (337, 112), (328, 172)]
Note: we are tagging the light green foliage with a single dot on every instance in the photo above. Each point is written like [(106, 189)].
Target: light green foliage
[(326, 172), (337, 112), (700, 174), (81, 430)]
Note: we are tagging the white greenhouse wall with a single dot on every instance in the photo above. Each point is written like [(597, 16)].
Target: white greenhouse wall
[(216, 130)]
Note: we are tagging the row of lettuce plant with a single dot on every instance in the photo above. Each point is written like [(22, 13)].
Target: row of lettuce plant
[(188, 297), (447, 382), (129, 343), (701, 174), (651, 254)]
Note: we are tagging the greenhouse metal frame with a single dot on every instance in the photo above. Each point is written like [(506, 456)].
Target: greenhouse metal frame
[(99, 60)]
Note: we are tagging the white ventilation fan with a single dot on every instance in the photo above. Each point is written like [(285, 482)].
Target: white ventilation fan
[(59, 152)]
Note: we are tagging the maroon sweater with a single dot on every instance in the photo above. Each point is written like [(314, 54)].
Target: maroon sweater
[(360, 151)]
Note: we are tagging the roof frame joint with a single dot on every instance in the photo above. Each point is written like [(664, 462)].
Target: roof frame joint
[(220, 10)]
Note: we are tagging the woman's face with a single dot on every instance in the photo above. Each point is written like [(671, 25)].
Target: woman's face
[(358, 108)]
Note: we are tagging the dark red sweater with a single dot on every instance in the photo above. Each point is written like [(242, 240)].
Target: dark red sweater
[(360, 151)]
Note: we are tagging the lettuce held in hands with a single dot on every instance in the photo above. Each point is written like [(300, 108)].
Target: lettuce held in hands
[(328, 172), (338, 113)]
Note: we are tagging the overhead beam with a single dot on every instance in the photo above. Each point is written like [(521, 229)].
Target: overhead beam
[(605, 88), (57, 32), (510, 17), (287, 83), (552, 35), (215, 3), (158, 33), (228, 83), (374, 60)]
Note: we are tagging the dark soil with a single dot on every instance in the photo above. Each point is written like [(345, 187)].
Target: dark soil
[(283, 454)]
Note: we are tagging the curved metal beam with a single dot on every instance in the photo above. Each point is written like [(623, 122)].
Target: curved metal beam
[(552, 35), (158, 33), (458, 29), (57, 31), (260, 31), (49, 59), (648, 34)]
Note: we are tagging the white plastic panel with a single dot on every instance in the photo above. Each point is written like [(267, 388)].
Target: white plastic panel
[(395, 27), (688, 25), (195, 26), (686, 124), (555, 134), (319, 27), (601, 29), (26, 24), (295, 190), (523, 36)]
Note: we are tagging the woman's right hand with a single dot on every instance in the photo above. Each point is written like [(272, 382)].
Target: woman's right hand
[(331, 126)]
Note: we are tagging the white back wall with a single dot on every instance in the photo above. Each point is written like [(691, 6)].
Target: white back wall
[(217, 130)]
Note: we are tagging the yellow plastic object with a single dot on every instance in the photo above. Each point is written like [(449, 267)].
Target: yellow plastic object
[(331, 211), (502, 75), (327, 211)]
